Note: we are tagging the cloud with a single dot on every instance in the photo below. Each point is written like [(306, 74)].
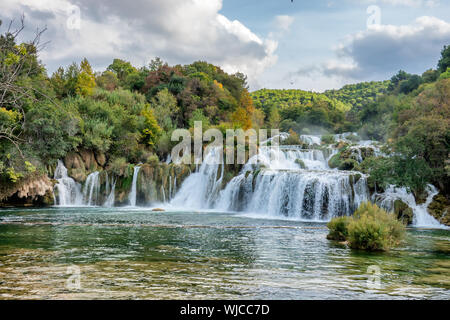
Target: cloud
[(384, 49), (284, 22), (407, 3), (177, 31)]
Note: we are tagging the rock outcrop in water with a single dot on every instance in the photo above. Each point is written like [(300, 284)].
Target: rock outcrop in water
[(36, 190)]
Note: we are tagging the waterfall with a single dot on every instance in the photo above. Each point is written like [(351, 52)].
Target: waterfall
[(133, 192), (91, 190), (200, 188), (304, 194), (282, 182), (68, 192), (174, 191), (310, 139), (109, 203), (170, 187), (421, 216)]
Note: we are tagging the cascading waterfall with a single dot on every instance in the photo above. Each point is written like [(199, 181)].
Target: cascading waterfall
[(133, 192), (200, 189), (283, 188), (111, 197), (91, 190), (68, 192), (286, 182), (421, 216)]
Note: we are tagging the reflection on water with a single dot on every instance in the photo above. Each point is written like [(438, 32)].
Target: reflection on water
[(139, 254)]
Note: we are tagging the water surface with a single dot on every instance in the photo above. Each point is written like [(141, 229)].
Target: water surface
[(125, 253)]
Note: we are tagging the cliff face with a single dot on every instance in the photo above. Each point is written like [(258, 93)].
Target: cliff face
[(36, 190)]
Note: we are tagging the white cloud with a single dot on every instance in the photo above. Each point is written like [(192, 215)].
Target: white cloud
[(177, 31), (387, 48), (407, 3), (284, 22)]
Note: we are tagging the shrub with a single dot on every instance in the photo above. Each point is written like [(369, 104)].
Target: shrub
[(328, 139), (338, 228), (119, 166), (153, 160), (374, 229), (335, 161), (301, 163), (353, 138), (348, 164), (293, 139), (371, 228)]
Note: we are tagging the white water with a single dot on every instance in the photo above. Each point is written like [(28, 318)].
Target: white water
[(200, 189), (68, 192), (109, 203), (421, 216), (133, 192), (91, 190), (274, 183)]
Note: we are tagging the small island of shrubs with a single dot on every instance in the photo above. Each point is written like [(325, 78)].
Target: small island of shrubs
[(370, 228)]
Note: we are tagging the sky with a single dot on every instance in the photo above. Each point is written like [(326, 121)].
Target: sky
[(310, 45)]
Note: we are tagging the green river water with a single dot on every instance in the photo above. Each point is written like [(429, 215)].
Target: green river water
[(125, 253)]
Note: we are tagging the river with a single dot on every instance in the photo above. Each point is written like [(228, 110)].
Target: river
[(134, 253)]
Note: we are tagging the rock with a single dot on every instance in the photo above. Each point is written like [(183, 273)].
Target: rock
[(158, 210), (75, 166), (421, 197), (88, 157), (403, 212), (354, 178), (301, 163), (78, 174), (73, 161), (348, 164), (101, 159), (440, 209), (335, 161), (33, 191)]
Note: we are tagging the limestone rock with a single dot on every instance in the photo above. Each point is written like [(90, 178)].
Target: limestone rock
[(440, 209), (403, 212), (90, 163)]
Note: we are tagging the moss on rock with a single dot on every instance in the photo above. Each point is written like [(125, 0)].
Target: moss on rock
[(440, 209), (403, 212)]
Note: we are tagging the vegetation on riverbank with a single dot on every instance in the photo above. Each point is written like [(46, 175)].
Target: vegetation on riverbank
[(370, 228)]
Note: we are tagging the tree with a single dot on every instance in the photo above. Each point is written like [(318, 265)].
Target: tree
[(396, 79), (121, 68), (18, 62), (411, 84), (241, 119), (107, 80), (155, 64), (152, 130), (430, 76), (86, 79), (165, 109), (444, 62)]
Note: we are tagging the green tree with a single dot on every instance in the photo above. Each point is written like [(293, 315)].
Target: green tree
[(152, 130), (444, 62), (86, 79), (165, 109), (121, 68)]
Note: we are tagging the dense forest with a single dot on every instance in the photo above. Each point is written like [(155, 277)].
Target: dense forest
[(126, 114)]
